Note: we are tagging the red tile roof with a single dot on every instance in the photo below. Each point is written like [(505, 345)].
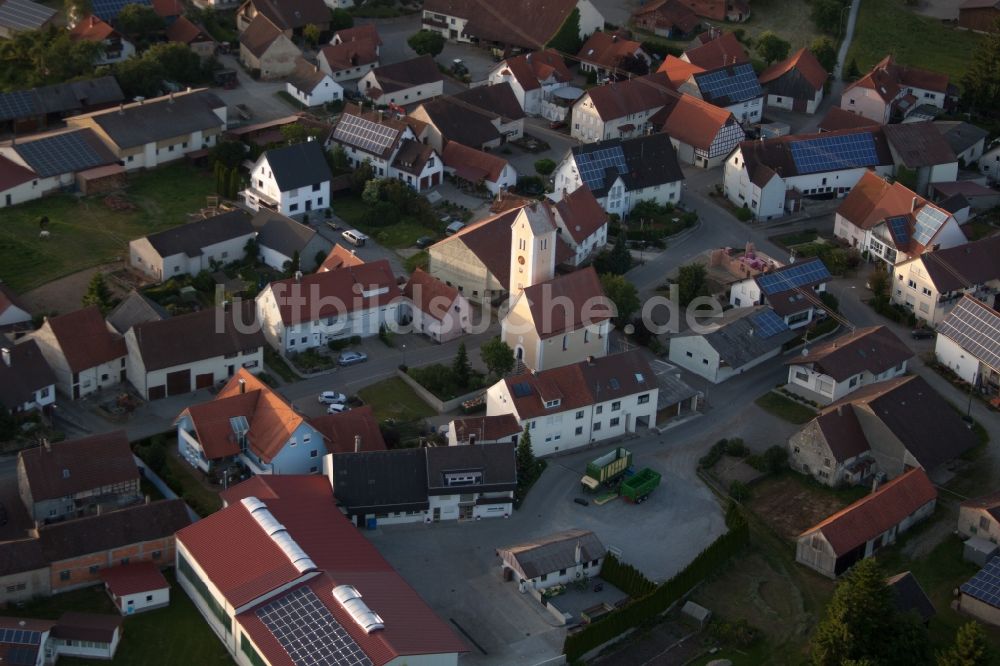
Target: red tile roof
[(581, 290), (838, 119), (842, 432), (887, 78), (85, 340), (305, 506), (334, 293), (677, 70), (529, 24), (719, 52), (94, 627), (92, 29), (580, 384), (606, 50), (581, 213), (668, 14), (805, 62), (873, 199), (874, 349), (272, 420), (339, 430), (350, 54), (74, 466), (430, 295), (874, 514), (532, 69), (339, 257), (643, 93), (186, 32), (472, 165), (13, 174), (134, 578), (168, 8), (359, 33), (486, 428), (692, 121)]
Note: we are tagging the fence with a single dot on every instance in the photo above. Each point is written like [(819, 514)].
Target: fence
[(436, 403)]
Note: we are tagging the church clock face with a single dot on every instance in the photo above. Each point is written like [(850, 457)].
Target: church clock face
[(520, 259)]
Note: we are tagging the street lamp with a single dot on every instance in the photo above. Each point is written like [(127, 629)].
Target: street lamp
[(404, 354), (968, 409)]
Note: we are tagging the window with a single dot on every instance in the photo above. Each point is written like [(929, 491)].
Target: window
[(643, 399), (614, 422), (64, 574), (313, 469), (579, 430), (853, 382), (157, 554), (597, 426), (801, 376), (579, 415), (543, 577), (562, 572), (313, 453), (225, 254), (984, 523), (293, 207), (616, 405), (124, 560), (94, 569), (599, 409), (689, 354), (44, 393), (925, 291), (316, 187)]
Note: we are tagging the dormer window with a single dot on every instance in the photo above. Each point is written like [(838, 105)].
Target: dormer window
[(549, 404)]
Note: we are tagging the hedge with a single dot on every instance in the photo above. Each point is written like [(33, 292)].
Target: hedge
[(660, 599), (626, 577)]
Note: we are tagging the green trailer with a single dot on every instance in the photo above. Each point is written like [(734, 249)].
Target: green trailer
[(637, 487), (606, 469)]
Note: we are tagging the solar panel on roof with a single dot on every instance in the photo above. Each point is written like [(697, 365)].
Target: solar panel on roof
[(593, 165), (59, 154), (729, 85), (899, 227), (21, 656), (309, 633), (976, 329), (829, 153), (109, 9), (522, 389), (796, 275), (364, 134), (985, 585), (24, 14), (20, 636), (17, 104), (767, 324), (929, 220)]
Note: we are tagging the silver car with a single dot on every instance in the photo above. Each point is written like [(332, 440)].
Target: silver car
[(351, 358)]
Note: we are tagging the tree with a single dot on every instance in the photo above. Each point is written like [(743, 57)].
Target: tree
[(691, 282), (981, 82), (619, 259), (228, 153), (234, 183), (98, 294), (140, 77), (178, 61), (825, 51), (76, 10), (426, 42), (340, 19), (372, 192), (878, 282), (338, 159), (633, 64), (526, 463), (252, 251), (826, 15), (497, 356), (139, 22), (623, 294), (460, 366), (853, 71), (971, 648), (861, 622), (361, 176), (567, 40), (311, 33), (772, 48), (545, 166)]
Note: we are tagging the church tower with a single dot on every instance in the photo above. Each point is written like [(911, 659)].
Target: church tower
[(533, 248)]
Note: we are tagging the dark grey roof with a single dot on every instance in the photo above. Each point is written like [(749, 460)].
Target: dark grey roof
[(298, 165), (738, 344), (280, 233), (919, 144), (909, 596), (60, 98), (553, 552), (135, 309), (461, 122), (495, 461), (959, 134), (196, 336), (21, 15), (649, 160), (498, 98), (192, 237), (28, 371), (673, 390), (407, 74), (66, 152), (954, 203), (161, 118), (306, 76), (381, 481)]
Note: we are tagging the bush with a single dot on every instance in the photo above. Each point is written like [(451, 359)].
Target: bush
[(739, 634), (776, 458), (736, 448), (338, 345), (739, 491), (626, 577), (744, 214), (442, 381), (714, 454), (545, 166)]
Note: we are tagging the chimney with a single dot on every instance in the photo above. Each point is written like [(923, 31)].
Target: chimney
[(875, 483), (614, 39), (578, 553), (357, 443), (840, 410), (47, 444), (913, 204), (171, 96), (243, 385), (33, 531), (590, 360), (121, 108), (5, 353), (148, 499), (298, 276)]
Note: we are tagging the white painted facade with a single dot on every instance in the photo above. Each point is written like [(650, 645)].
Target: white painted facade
[(881, 246), (264, 192), (343, 75), (746, 293), (694, 353), (531, 101), (833, 390), (453, 324), (86, 649), (914, 289), (154, 154), (402, 97), (14, 315), (588, 126), (220, 368), (129, 604), (326, 91), (989, 164), (27, 191), (786, 102), (950, 354), (618, 200), (565, 430), (144, 258), (588, 569), (87, 381), (382, 167)]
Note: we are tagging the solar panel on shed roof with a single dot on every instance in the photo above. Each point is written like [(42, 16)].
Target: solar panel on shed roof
[(829, 153), (20, 636), (737, 83), (985, 585), (767, 323), (976, 329), (17, 104), (109, 9), (58, 154), (365, 134), (899, 227), (24, 14), (21, 656), (594, 164), (309, 633), (929, 220), (796, 275)]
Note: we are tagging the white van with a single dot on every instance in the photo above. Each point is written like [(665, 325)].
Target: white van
[(355, 237)]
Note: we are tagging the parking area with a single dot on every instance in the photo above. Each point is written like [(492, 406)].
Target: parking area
[(455, 569), (478, 61)]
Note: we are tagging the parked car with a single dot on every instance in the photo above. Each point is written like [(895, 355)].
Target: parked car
[(351, 358), (557, 124), (332, 398), (424, 242), (454, 228), (354, 237), (337, 409), (581, 501), (923, 333)]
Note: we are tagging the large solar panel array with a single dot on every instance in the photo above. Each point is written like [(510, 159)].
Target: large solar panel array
[(976, 329), (308, 632), (20, 636), (929, 220), (767, 324), (21, 656), (829, 153), (796, 275), (18, 104), (985, 585), (109, 9), (62, 153), (899, 227), (364, 134), (24, 14), (594, 164), (729, 84)]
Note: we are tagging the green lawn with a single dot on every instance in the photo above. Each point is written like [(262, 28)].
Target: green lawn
[(393, 399), (788, 20), (888, 26), (167, 636), (785, 408), (183, 482), (351, 209), (276, 362), (420, 260), (85, 232)]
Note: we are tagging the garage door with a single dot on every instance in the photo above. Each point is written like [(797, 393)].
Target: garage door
[(179, 382), (204, 380), (157, 392)]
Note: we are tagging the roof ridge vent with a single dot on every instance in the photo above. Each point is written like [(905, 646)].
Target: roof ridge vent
[(278, 534), (350, 599)]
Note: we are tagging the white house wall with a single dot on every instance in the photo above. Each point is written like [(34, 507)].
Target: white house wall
[(404, 97), (325, 92), (950, 354)]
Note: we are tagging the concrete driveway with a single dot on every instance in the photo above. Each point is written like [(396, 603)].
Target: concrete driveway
[(258, 95), (478, 61)]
